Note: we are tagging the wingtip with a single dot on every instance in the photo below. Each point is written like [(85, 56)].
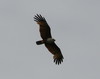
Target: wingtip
[(58, 58), (58, 61), (38, 17)]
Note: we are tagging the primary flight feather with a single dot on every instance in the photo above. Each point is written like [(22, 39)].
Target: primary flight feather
[(48, 41)]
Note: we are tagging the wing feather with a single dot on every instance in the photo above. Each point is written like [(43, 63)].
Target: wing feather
[(55, 50), (45, 30), (45, 33)]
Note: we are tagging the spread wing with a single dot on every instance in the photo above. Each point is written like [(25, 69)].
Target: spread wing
[(45, 31), (55, 50)]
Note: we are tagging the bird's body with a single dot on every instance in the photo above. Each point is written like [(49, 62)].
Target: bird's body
[(48, 41)]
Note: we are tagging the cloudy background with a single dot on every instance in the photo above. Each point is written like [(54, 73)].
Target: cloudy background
[(75, 25)]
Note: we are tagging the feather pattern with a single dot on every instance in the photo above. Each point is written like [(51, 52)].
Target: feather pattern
[(45, 33)]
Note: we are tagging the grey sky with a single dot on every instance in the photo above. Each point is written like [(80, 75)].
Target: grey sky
[(75, 25)]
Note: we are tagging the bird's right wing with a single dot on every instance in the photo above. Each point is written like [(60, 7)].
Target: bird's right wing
[(45, 31), (40, 20)]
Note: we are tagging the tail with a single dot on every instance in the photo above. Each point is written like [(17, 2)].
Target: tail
[(39, 42)]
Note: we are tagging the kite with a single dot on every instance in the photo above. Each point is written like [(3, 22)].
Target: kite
[(47, 40)]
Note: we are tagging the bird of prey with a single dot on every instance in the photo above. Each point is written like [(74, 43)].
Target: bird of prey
[(47, 40)]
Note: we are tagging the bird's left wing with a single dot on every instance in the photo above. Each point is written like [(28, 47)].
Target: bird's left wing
[(55, 50)]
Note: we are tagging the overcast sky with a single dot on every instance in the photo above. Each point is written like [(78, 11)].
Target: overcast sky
[(75, 24)]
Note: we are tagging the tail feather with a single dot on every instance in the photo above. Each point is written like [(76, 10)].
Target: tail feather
[(39, 42)]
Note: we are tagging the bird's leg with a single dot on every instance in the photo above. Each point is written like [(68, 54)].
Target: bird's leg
[(39, 42)]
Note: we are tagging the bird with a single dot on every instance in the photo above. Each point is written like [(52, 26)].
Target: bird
[(47, 40)]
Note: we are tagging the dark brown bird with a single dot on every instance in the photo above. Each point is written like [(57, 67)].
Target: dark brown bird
[(48, 41)]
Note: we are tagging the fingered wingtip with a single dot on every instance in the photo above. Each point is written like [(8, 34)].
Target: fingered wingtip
[(58, 61), (58, 58), (38, 17)]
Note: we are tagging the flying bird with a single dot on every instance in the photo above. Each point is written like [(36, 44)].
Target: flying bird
[(47, 40)]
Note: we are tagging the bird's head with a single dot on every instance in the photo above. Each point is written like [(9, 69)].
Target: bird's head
[(50, 40)]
